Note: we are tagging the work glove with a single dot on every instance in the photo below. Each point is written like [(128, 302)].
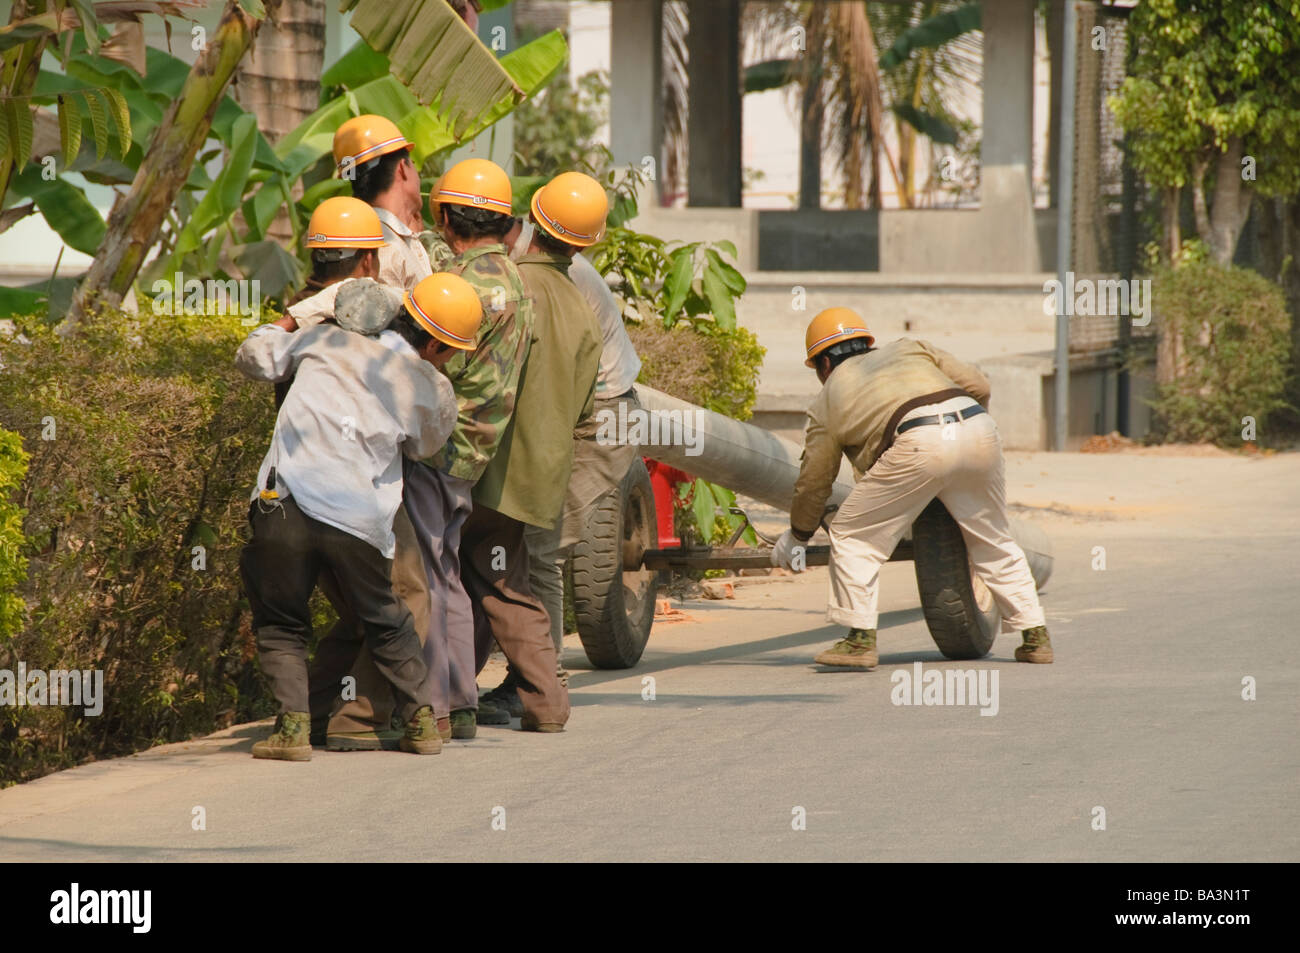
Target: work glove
[(784, 550)]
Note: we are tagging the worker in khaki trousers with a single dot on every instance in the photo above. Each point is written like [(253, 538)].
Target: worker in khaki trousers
[(912, 420)]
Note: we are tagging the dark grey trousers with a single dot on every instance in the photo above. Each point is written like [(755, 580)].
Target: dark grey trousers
[(280, 566)]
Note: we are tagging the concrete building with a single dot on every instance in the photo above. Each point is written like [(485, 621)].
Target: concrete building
[(971, 280)]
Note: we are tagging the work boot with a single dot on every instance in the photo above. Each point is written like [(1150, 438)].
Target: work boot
[(421, 735), (291, 740), (856, 651), (490, 714), (504, 697), (444, 728), (371, 740), (464, 724), (1037, 646), (530, 723)]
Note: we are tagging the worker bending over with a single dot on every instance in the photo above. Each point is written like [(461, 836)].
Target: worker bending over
[(913, 421)]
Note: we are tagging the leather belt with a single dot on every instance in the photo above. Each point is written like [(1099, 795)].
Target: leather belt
[(932, 419)]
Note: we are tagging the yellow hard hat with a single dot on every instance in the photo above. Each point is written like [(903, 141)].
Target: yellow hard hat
[(571, 207), (833, 326), (478, 183), (448, 307), (344, 222), (364, 138)]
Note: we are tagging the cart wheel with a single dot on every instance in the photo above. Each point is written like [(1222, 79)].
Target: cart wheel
[(614, 607)]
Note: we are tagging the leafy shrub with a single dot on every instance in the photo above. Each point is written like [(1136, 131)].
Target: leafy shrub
[(13, 564), (718, 371), (1226, 334), (144, 442)]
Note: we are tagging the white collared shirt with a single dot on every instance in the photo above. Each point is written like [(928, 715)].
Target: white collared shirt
[(355, 407), (403, 262), (619, 363)]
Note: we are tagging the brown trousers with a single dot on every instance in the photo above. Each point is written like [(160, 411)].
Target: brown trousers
[(494, 567), (342, 653)]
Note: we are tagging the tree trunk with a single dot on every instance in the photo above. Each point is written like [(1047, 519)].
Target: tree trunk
[(21, 65), (810, 144), (1220, 225), (134, 225), (279, 82), (1170, 228)]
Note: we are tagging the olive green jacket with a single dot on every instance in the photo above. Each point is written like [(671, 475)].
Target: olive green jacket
[(860, 406), (528, 476)]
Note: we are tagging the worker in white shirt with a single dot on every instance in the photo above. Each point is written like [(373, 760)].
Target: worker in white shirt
[(375, 157), (345, 238), (371, 152), (327, 492), (598, 465)]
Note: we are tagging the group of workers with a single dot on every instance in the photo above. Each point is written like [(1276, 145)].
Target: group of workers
[(435, 456)]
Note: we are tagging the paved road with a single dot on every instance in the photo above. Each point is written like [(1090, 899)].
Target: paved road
[(1142, 715)]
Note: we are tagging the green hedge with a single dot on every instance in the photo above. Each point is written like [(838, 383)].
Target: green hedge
[(144, 442), (13, 564), (1233, 330), (717, 371)]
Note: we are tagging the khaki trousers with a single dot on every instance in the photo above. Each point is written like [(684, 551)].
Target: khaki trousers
[(598, 470), (494, 569), (342, 653), (961, 464)]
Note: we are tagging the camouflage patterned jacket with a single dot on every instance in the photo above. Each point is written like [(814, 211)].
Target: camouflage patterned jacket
[(486, 378)]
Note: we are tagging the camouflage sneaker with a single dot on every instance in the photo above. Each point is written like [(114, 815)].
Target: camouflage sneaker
[(464, 724), (444, 729), (421, 735), (1037, 646), (291, 740), (856, 651), (505, 698)]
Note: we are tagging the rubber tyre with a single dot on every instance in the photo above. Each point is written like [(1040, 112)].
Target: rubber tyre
[(614, 608), (959, 610)]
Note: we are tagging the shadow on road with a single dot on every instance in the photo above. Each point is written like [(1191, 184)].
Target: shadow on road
[(736, 652)]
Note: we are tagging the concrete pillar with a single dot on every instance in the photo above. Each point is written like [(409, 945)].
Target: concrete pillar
[(713, 127), (636, 113), (1055, 38), (1006, 188)]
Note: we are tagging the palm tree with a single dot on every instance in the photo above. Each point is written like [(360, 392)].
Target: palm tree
[(839, 88), (933, 51)]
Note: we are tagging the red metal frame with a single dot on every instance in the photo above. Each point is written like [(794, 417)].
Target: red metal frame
[(663, 483)]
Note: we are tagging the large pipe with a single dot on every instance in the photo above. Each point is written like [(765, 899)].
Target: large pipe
[(739, 456)]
